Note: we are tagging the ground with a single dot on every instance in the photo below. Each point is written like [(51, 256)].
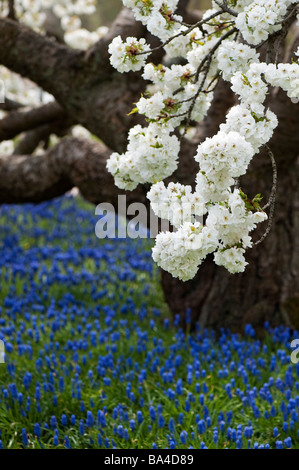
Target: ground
[(93, 359)]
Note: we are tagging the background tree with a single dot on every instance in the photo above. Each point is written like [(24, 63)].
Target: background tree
[(89, 92)]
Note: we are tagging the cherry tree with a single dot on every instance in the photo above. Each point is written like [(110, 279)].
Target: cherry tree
[(193, 113)]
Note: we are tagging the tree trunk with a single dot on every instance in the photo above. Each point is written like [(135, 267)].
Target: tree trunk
[(268, 290), (88, 91)]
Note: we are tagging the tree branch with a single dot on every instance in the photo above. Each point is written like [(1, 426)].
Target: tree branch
[(19, 121), (223, 100), (11, 10), (33, 138), (49, 64), (10, 105)]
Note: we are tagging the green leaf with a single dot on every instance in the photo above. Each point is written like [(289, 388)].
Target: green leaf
[(134, 111)]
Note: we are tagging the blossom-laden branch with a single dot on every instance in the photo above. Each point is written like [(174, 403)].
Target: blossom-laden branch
[(181, 97), (39, 58)]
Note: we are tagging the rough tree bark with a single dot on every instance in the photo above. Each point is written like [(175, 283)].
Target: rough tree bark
[(89, 92), (268, 290)]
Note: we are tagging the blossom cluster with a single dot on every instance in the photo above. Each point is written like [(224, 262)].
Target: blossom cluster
[(125, 56), (22, 90), (152, 153), (175, 89), (226, 233), (256, 130), (224, 157), (252, 86), (261, 18), (157, 15), (81, 38), (182, 251), (285, 76), (181, 93), (176, 203), (6, 147)]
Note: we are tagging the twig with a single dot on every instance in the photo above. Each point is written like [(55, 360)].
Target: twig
[(271, 202), (10, 105), (11, 10), (181, 33), (225, 8), (214, 49)]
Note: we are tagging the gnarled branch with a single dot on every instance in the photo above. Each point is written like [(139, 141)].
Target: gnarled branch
[(49, 64), (10, 105), (72, 162)]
